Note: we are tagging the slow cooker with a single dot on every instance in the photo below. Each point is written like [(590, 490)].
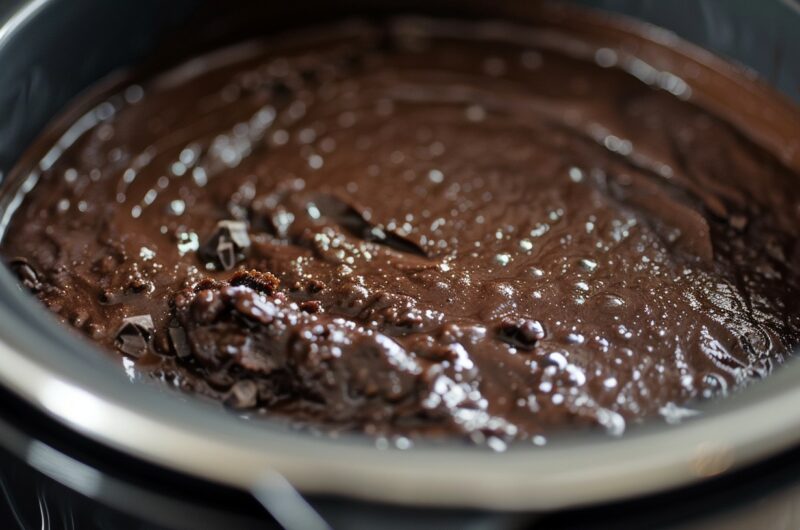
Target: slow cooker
[(83, 445)]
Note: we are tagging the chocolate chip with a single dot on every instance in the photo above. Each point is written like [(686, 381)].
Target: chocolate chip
[(134, 335), (26, 274), (243, 395), (179, 341), (523, 333), (227, 246)]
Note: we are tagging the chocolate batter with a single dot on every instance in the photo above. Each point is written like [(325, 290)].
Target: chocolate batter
[(422, 227)]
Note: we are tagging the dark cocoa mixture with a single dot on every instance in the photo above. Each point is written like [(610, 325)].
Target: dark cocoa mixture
[(421, 227)]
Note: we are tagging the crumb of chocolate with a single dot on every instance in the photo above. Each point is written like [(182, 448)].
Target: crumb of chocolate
[(228, 244), (178, 340), (263, 282)]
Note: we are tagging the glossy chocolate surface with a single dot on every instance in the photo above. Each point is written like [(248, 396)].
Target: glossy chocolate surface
[(421, 227)]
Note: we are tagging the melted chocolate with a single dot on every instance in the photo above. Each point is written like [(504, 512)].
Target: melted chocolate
[(423, 227)]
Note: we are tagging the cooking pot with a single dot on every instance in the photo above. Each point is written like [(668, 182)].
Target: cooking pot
[(51, 50)]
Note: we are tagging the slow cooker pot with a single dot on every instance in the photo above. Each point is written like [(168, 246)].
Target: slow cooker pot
[(121, 447)]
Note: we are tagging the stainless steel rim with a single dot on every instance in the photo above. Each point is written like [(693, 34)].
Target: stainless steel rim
[(54, 370)]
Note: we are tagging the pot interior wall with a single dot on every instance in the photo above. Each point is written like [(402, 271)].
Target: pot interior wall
[(58, 53)]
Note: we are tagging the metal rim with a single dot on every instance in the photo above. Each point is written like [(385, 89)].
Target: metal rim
[(51, 368)]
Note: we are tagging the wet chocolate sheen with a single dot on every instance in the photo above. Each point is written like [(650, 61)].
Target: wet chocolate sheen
[(440, 227)]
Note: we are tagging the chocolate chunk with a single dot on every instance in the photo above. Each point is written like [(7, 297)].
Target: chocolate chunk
[(243, 395), (134, 335), (179, 341), (226, 254), (26, 274), (228, 244), (236, 232), (523, 333)]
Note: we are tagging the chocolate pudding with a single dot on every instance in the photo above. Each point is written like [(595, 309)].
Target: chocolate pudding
[(417, 227)]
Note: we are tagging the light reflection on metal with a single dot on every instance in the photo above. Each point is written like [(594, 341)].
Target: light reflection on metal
[(286, 504), (64, 469)]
